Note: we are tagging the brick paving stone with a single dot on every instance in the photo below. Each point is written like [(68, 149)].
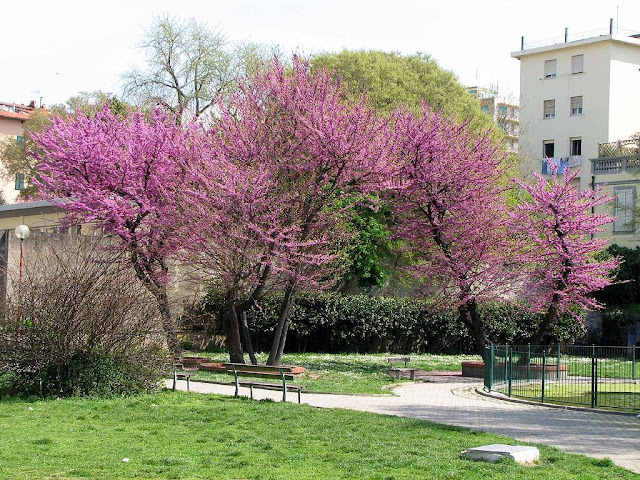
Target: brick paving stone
[(454, 402)]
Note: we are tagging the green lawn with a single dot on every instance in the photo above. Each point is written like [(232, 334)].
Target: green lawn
[(350, 373), (182, 435)]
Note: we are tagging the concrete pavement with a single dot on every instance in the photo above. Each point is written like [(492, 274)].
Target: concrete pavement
[(453, 402)]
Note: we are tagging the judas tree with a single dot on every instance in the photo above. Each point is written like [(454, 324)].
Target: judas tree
[(557, 229), (302, 148), (449, 202), (119, 175)]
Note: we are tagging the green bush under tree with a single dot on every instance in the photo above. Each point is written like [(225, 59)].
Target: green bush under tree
[(338, 323)]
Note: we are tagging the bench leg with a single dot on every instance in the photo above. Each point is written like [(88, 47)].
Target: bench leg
[(412, 374), (175, 380), (298, 396), (251, 390), (188, 387)]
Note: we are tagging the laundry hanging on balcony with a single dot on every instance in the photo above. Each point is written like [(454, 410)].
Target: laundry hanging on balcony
[(555, 165)]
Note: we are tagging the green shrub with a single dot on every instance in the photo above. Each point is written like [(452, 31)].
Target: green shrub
[(82, 325), (359, 323)]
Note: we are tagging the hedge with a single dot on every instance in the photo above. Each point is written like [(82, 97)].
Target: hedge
[(336, 323)]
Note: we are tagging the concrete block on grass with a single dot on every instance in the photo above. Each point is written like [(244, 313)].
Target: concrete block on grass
[(496, 452)]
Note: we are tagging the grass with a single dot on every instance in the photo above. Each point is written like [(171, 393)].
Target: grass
[(181, 435), (350, 373)]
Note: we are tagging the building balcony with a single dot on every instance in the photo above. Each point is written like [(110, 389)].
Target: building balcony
[(560, 164), (616, 157), (612, 165)]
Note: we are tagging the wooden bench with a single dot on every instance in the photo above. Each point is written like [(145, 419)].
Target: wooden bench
[(281, 372), (398, 371), (393, 360), (179, 373)]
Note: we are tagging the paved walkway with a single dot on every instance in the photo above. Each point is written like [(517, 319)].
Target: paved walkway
[(452, 401)]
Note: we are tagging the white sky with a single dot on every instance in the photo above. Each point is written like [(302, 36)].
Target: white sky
[(54, 49)]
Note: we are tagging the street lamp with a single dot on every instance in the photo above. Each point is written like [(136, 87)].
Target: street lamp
[(22, 232)]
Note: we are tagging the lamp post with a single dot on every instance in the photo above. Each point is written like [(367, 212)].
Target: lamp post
[(22, 232)]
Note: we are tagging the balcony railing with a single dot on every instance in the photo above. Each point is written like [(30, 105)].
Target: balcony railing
[(609, 165)]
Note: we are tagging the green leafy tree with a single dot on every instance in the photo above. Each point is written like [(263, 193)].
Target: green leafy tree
[(391, 79)]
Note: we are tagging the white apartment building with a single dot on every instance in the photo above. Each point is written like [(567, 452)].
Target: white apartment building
[(504, 114), (575, 96)]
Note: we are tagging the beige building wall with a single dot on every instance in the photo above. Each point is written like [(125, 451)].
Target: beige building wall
[(184, 290)]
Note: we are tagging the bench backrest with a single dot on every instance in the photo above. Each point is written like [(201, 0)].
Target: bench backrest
[(399, 359), (249, 368)]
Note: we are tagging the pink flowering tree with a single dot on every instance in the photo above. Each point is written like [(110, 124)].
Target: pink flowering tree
[(119, 175), (291, 148), (450, 206), (556, 229)]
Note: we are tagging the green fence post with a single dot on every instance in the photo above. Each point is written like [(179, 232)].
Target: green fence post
[(492, 356), (633, 363), (594, 381), (544, 367), (510, 371), (528, 362), (506, 365)]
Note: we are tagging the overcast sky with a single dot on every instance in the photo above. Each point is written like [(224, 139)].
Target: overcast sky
[(55, 49)]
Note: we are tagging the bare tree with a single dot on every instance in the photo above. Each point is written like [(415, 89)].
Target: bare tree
[(188, 64)]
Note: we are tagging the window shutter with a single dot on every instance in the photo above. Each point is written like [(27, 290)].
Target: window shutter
[(576, 105), (549, 108), (624, 210), (577, 64), (550, 68)]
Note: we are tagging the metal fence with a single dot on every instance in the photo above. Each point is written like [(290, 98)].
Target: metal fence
[(597, 377)]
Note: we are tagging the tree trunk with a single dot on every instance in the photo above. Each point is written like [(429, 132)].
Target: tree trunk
[(280, 335), (539, 337), (469, 315), (230, 321), (168, 324), (247, 338)]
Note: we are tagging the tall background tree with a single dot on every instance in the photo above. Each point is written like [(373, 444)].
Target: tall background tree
[(188, 64)]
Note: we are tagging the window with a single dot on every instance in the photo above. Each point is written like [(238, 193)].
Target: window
[(19, 181), (20, 140), (548, 148), (550, 68), (577, 64), (549, 108), (486, 109), (576, 146), (624, 210), (576, 105)]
